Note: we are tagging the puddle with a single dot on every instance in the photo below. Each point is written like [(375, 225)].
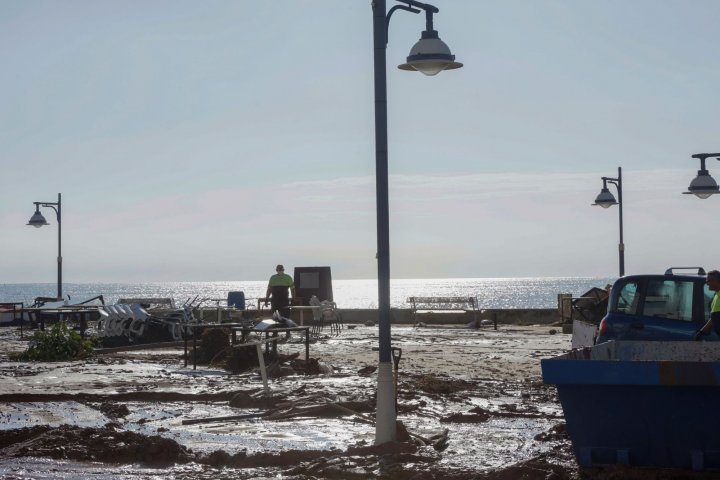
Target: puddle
[(30, 414)]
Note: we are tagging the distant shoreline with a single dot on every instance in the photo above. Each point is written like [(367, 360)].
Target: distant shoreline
[(507, 293)]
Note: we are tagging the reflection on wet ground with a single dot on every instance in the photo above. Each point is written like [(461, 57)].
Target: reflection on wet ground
[(475, 395)]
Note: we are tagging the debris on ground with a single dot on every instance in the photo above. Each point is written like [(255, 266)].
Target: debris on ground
[(470, 406)]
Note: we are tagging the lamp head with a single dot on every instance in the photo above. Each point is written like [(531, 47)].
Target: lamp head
[(703, 186), (37, 220), (605, 198), (430, 55)]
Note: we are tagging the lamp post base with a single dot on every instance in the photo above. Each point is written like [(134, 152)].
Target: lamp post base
[(385, 429)]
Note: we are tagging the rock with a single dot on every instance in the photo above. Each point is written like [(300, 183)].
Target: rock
[(369, 323), (553, 331), (367, 370)]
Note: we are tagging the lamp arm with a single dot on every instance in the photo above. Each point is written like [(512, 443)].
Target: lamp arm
[(49, 205), (429, 10), (424, 6), (703, 157), (611, 180), (52, 205), (389, 14)]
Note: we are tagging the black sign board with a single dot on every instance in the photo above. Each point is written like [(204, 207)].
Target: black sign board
[(311, 281)]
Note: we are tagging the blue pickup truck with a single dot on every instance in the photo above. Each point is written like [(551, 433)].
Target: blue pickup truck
[(645, 394), (667, 307)]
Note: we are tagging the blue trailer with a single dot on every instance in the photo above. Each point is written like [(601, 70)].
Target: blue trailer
[(636, 403)]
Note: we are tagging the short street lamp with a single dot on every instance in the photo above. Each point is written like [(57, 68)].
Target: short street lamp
[(703, 185), (430, 56), (38, 220), (606, 199)]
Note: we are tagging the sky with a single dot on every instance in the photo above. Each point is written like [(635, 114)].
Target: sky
[(210, 141)]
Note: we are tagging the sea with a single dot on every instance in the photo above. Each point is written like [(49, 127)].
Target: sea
[(500, 293)]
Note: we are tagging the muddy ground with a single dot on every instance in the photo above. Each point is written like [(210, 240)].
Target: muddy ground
[(471, 405)]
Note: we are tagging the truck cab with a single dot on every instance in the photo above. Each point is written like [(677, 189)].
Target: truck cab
[(668, 307)]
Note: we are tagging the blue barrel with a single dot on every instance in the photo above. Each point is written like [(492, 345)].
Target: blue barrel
[(237, 300)]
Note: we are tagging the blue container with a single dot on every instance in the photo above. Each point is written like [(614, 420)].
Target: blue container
[(236, 300), (641, 403)]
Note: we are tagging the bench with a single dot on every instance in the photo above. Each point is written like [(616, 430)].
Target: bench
[(466, 304)]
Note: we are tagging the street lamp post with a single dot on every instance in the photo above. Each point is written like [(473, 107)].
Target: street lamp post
[(703, 185), (38, 220), (606, 199), (429, 55)]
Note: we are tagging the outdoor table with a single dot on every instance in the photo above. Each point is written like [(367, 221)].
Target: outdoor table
[(194, 327), (79, 312), (245, 330)]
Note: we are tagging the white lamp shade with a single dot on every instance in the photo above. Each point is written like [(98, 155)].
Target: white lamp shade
[(37, 220), (605, 199), (703, 185), (430, 55)]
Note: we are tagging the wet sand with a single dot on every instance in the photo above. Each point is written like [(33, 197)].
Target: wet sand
[(472, 401)]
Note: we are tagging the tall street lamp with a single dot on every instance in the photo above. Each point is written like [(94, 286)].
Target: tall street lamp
[(606, 199), (429, 55), (704, 184), (37, 220)]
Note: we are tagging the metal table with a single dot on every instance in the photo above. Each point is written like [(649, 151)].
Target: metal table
[(79, 312), (244, 331)]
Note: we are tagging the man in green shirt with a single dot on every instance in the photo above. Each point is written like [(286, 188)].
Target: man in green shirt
[(278, 289), (713, 323)]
